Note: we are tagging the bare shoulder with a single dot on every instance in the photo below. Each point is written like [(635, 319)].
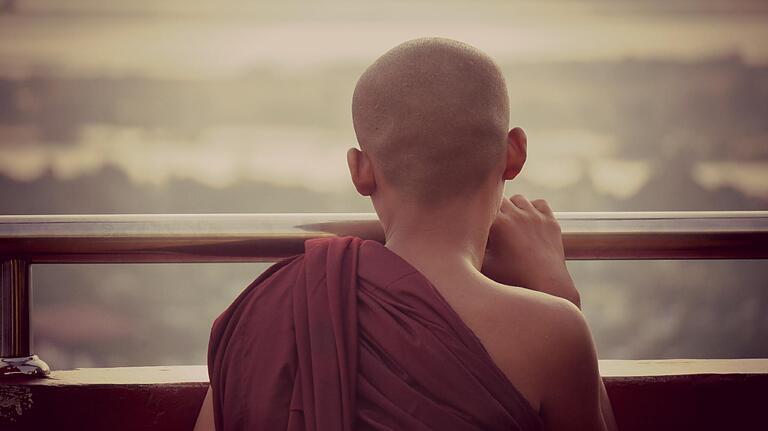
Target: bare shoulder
[(552, 329), (559, 353), (528, 335), (545, 316)]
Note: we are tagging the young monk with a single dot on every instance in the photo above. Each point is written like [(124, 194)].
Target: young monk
[(465, 319)]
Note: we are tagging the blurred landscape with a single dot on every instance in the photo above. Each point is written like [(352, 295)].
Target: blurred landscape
[(206, 107)]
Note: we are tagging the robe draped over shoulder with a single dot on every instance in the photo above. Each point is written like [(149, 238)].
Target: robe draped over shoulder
[(349, 336)]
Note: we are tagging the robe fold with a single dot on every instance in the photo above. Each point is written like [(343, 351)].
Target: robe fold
[(349, 336)]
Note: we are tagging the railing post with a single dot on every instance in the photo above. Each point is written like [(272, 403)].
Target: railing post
[(16, 356)]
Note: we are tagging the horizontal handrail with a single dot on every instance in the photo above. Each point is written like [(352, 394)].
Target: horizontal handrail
[(266, 237), (25, 240)]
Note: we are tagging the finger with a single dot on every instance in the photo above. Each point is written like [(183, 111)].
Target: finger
[(507, 206), (543, 206), (522, 202)]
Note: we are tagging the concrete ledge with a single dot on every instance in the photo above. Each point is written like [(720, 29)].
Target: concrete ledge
[(677, 367), (177, 374), (646, 395)]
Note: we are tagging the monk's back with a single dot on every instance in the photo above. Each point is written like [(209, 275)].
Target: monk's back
[(412, 335)]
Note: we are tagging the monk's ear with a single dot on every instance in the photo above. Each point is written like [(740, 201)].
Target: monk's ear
[(361, 171), (517, 152)]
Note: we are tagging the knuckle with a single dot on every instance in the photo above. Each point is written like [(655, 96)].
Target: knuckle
[(555, 225)]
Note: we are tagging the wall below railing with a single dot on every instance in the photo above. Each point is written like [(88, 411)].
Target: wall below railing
[(646, 395)]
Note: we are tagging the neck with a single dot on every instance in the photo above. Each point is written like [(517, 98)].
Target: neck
[(440, 241)]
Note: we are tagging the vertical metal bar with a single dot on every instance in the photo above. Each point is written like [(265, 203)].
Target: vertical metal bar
[(15, 305), (15, 332)]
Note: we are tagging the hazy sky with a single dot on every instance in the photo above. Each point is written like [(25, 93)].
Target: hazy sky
[(190, 39), (194, 40)]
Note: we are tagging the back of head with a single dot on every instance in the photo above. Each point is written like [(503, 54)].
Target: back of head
[(433, 116)]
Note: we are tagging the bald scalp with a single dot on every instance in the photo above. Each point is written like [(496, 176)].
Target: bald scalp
[(433, 116)]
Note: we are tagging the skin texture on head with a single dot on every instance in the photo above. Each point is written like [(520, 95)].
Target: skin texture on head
[(431, 117)]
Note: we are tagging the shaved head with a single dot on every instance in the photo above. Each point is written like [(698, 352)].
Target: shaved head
[(433, 116)]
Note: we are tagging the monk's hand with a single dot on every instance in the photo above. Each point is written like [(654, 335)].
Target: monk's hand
[(525, 249)]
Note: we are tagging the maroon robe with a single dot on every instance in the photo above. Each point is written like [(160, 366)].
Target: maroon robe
[(350, 336)]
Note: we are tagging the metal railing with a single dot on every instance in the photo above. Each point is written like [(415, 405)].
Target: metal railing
[(27, 240)]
